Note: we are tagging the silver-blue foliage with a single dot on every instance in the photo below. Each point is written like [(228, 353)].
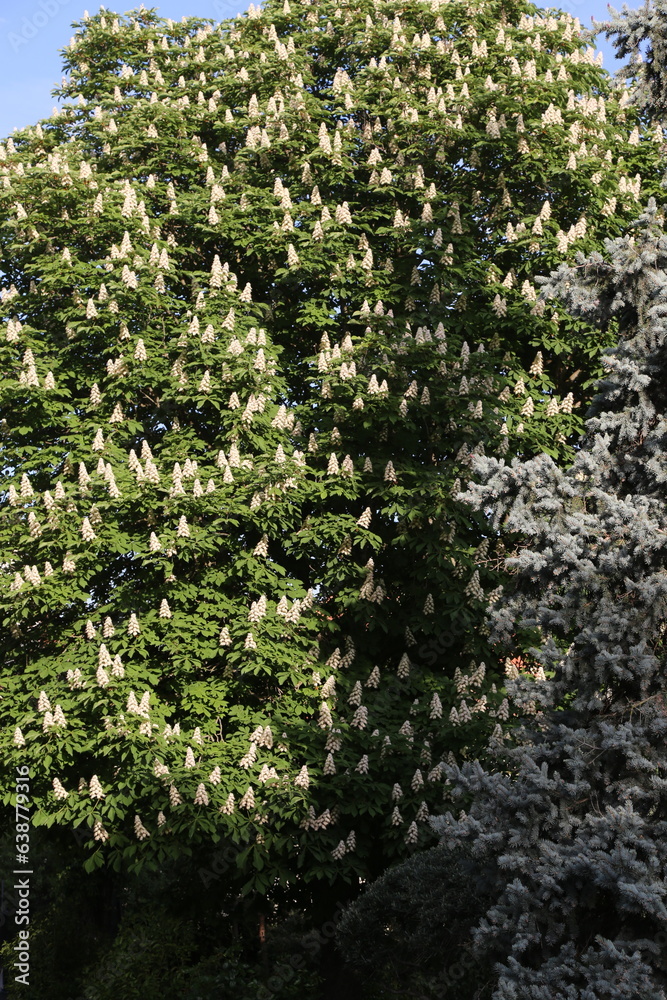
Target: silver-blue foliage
[(576, 812), (641, 35)]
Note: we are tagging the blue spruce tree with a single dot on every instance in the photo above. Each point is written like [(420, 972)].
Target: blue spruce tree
[(641, 37), (576, 813)]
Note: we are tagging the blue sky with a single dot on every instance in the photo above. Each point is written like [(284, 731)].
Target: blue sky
[(33, 31)]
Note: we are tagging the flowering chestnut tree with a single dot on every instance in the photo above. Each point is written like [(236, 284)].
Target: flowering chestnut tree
[(268, 286)]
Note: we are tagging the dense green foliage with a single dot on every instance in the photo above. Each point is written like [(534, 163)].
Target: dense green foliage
[(179, 931), (269, 286), (409, 934)]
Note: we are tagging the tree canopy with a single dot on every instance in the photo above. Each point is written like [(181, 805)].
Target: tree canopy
[(269, 286)]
